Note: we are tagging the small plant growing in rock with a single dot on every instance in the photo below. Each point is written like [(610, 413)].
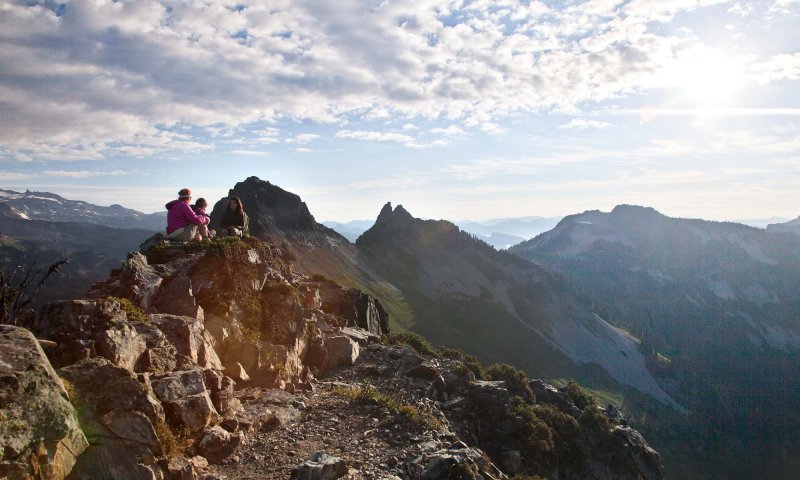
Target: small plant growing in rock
[(413, 340), (413, 414), (170, 438), (469, 361), (134, 313)]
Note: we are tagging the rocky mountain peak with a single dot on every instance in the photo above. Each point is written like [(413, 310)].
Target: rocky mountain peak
[(636, 212), (271, 209), (389, 216)]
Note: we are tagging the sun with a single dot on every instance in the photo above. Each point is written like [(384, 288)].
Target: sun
[(706, 77)]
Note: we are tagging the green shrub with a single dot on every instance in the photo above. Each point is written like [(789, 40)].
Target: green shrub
[(469, 361), (595, 419), (580, 397), (516, 380), (134, 313), (413, 340)]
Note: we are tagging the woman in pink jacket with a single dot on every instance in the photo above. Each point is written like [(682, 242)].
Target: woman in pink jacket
[(183, 225)]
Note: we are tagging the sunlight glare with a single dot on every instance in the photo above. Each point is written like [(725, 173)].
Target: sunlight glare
[(707, 77)]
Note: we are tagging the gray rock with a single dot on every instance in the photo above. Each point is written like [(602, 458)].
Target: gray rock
[(186, 399), (320, 466), (103, 387), (139, 281), (363, 337), (112, 459), (176, 385), (237, 372), (39, 430), (217, 444), (181, 468), (187, 335), (121, 345), (341, 350), (160, 355), (132, 427)]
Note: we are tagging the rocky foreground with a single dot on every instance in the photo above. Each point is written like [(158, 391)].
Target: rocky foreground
[(217, 360)]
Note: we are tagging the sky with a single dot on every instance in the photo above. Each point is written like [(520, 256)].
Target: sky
[(455, 109)]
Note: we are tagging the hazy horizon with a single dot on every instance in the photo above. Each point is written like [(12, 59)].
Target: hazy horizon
[(453, 109), (757, 222)]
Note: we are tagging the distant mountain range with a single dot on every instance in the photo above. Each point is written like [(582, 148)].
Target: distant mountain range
[(500, 233), (42, 227), (54, 208)]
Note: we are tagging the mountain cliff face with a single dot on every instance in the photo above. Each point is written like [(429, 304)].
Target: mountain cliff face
[(715, 306), (792, 226), (464, 293)]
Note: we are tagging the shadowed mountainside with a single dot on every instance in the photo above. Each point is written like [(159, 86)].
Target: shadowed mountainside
[(715, 305)]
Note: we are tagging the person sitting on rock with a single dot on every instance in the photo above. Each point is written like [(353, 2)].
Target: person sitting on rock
[(199, 209), (234, 221), (183, 225)]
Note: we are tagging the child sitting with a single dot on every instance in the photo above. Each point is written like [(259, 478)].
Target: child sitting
[(199, 209)]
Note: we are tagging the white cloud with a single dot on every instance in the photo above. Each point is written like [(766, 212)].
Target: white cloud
[(109, 78), (303, 138), (785, 7), (250, 153), (779, 67), (492, 128), (74, 174), (451, 131), (582, 124), (394, 137)]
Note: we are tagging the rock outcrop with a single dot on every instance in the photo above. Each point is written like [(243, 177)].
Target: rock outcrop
[(39, 431)]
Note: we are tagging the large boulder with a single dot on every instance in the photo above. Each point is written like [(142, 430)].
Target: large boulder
[(217, 444), (122, 345), (160, 355), (39, 430), (342, 350), (188, 336), (139, 281), (67, 320), (101, 387), (186, 399), (356, 307), (176, 296)]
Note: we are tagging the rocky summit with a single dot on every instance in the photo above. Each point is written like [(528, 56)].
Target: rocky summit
[(219, 360)]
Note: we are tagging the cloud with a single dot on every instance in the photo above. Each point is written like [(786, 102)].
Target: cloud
[(74, 174), (778, 67), (250, 153), (451, 131), (583, 124), (303, 138), (89, 80), (374, 136)]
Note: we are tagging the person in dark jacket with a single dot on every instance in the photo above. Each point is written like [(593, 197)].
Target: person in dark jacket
[(199, 209), (183, 225), (234, 221)]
